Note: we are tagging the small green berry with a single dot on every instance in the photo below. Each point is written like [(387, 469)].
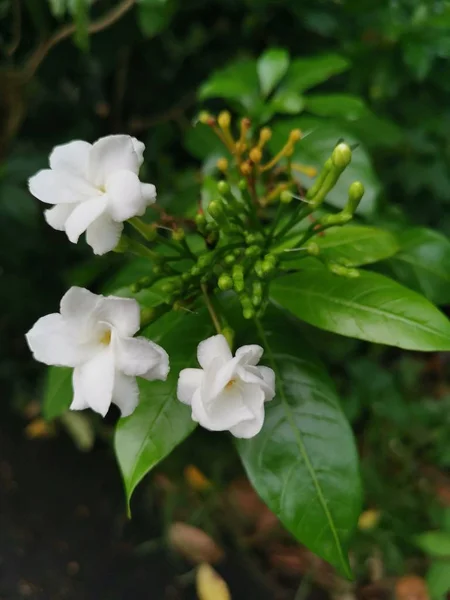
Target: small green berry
[(225, 282)]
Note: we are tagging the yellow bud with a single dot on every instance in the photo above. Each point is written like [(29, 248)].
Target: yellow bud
[(224, 119), (255, 155), (196, 479), (369, 519), (240, 147), (246, 168), (222, 164), (264, 135), (204, 117), (295, 135)]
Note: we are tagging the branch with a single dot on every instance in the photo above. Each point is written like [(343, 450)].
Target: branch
[(106, 21)]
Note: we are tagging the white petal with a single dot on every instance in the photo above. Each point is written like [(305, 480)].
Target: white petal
[(211, 348), (59, 187), (126, 195), (125, 393), (148, 191), (113, 153), (72, 157), (139, 148), (122, 313), (78, 402), (254, 400), (189, 381), (104, 234), (78, 304), (57, 216), (94, 381), (53, 342), (138, 356), (83, 216), (268, 376), (161, 368), (226, 410), (249, 355)]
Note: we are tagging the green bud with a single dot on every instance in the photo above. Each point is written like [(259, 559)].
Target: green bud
[(211, 227), (195, 271), (248, 312), (200, 220), (271, 258), (341, 156), (338, 269), (256, 300), (254, 238), (178, 234), (340, 218), (238, 285), (204, 260), (157, 269), (223, 187), (135, 288), (225, 282), (252, 251), (259, 268), (355, 194), (238, 272), (168, 287), (313, 249), (229, 259), (215, 209), (147, 316), (257, 288), (286, 197), (242, 184), (186, 276)]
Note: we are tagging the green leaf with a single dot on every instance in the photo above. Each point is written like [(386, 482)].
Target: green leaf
[(336, 105), (305, 73), (79, 10), (438, 579), (434, 543), (293, 463), (271, 67), (354, 245), (315, 148), (237, 81), (58, 392), (370, 307), (288, 102), (58, 8), (161, 421), (423, 263)]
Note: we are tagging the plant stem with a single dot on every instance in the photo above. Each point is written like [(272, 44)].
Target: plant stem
[(210, 308)]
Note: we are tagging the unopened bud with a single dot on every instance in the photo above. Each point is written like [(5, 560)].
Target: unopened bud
[(178, 234), (264, 135), (224, 119), (286, 197), (242, 184), (341, 156), (246, 168), (225, 282), (222, 164), (295, 135), (252, 251), (313, 249), (355, 194), (204, 117), (229, 259), (255, 155), (215, 209), (223, 187)]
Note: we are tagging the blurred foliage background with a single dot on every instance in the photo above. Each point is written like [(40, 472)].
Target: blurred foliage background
[(375, 72)]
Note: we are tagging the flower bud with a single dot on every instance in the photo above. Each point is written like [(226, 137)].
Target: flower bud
[(313, 249), (341, 156), (242, 184), (225, 282), (295, 135), (355, 194), (178, 234), (204, 117), (252, 251), (224, 119), (286, 197), (264, 135), (246, 168), (229, 259), (255, 155), (222, 164), (215, 209), (223, 187)]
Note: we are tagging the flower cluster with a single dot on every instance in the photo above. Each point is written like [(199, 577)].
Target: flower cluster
[(95, 189)]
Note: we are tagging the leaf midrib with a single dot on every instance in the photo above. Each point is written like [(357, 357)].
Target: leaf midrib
[(301, 446)]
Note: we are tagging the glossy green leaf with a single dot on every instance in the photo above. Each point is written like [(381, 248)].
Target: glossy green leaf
[(237, 81), (271, 67), (288, 102), (319, 139), (161, 421), (305, 73), (304, 463), (438, 579), (58, 392), (370, 307), (354, 245), (423, 263), (336, 105), (434, 543)]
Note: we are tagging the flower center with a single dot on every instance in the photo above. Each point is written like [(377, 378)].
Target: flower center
[(230, 384), (106, 337)]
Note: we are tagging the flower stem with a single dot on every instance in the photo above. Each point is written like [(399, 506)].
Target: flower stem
[(210, 308)]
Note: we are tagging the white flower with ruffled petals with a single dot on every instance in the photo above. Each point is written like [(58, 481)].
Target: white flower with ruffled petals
[(95, 188), (227, 393), (94, 335)]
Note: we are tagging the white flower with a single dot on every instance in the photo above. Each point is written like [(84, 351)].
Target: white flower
[(227, 393), (93, 334), (94, 187)]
